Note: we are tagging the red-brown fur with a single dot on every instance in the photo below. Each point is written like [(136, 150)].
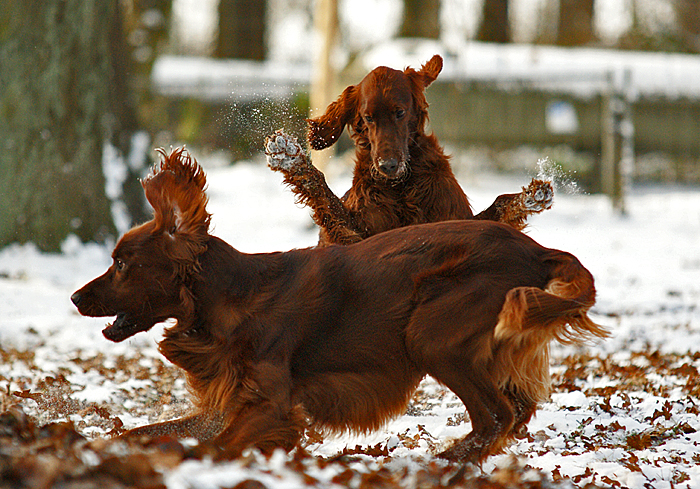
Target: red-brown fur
[(402, 175), (337, 338)]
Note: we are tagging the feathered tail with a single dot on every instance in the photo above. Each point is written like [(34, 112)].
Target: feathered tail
[(531, 317)]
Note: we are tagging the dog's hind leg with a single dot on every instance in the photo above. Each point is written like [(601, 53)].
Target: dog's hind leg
[(524, 408), (453, 343), (490, 412)]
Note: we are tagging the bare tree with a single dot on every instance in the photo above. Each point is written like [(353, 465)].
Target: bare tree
[(421, 18), (575, 26), (324, 75), (62, 100), (494, 26), (241, 29), (688, 16)]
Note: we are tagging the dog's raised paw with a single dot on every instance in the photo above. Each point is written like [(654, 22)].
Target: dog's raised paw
[(537, 196), (283, 152)]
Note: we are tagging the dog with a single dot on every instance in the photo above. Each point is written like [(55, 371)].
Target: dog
[(337, 338), (402, 175)]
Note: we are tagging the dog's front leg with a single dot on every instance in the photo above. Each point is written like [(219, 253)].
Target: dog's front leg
[(514, 209), (285, 154), (265, 426), (201, 426), (261, 413)]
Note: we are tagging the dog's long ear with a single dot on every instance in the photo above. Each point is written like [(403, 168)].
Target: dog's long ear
[(428, 72), (175, 189), (325, 130)]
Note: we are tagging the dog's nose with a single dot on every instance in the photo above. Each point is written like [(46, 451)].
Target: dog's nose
[(75, 298), (389, 166)]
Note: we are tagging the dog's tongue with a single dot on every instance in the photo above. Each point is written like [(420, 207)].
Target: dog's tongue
[(120, 329)]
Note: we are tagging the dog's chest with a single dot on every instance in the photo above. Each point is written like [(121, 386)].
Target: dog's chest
[(389, 208)]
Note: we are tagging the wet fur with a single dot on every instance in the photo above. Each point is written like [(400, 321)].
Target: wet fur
[(337, 338), (385, 115)]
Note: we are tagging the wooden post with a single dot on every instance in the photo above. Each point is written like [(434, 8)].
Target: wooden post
[(323, 81), (626, 142), (617, 145), (608, 142)]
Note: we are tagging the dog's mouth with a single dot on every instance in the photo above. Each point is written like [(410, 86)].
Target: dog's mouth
[(121, 329)]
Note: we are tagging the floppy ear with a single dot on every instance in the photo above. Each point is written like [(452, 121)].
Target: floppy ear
[(428, 72), (175, 189), (420, 80), (325, 130)]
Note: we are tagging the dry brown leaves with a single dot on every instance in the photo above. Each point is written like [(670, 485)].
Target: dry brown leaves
[(44, 440)]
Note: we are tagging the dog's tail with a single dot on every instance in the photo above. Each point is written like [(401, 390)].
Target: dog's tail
[(560, 311), (531, 317)]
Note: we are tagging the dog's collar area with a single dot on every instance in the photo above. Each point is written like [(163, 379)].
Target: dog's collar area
[(190, 331)]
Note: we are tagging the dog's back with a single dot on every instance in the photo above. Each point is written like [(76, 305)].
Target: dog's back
[(423, 299)]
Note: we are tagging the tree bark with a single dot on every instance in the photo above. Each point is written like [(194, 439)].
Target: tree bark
[(575, 27), (421, 18), (494, 26), (324, 76), (688, 15), (60, 103), (241, 29)]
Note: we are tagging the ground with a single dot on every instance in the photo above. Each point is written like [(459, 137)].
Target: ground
[(623, 413)]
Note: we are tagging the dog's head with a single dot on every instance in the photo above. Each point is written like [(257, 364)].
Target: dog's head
[(383, 111), (152, 265)]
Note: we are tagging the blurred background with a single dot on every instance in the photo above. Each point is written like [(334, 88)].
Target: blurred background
[(607, 89)]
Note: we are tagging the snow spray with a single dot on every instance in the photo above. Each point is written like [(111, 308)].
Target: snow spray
[(561, 180)]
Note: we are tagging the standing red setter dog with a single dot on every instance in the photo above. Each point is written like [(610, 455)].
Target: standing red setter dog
[(337, 338), (402, 176)]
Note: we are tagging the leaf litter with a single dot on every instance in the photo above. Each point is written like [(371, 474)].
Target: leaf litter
[(623, 413)]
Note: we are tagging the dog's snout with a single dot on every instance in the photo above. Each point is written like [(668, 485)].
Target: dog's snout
[(75, 298), (389, 166)]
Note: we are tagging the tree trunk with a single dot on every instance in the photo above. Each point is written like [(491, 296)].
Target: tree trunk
[(421, 18), (575, 27), (688, 15), (323, 79), (241, 29), (495, 26), (60, 103)]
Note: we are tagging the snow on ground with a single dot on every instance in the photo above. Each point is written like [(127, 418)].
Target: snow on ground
[(624, 413)]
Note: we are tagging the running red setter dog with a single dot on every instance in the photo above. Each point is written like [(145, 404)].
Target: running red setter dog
[(402, 176), (337, 338)]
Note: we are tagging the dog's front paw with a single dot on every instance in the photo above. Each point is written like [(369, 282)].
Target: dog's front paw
[(537, 196), (283, 152), (471, 450)]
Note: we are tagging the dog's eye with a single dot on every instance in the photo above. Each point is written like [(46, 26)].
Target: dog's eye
[(400, 113), (369, 119), (119, 264)]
